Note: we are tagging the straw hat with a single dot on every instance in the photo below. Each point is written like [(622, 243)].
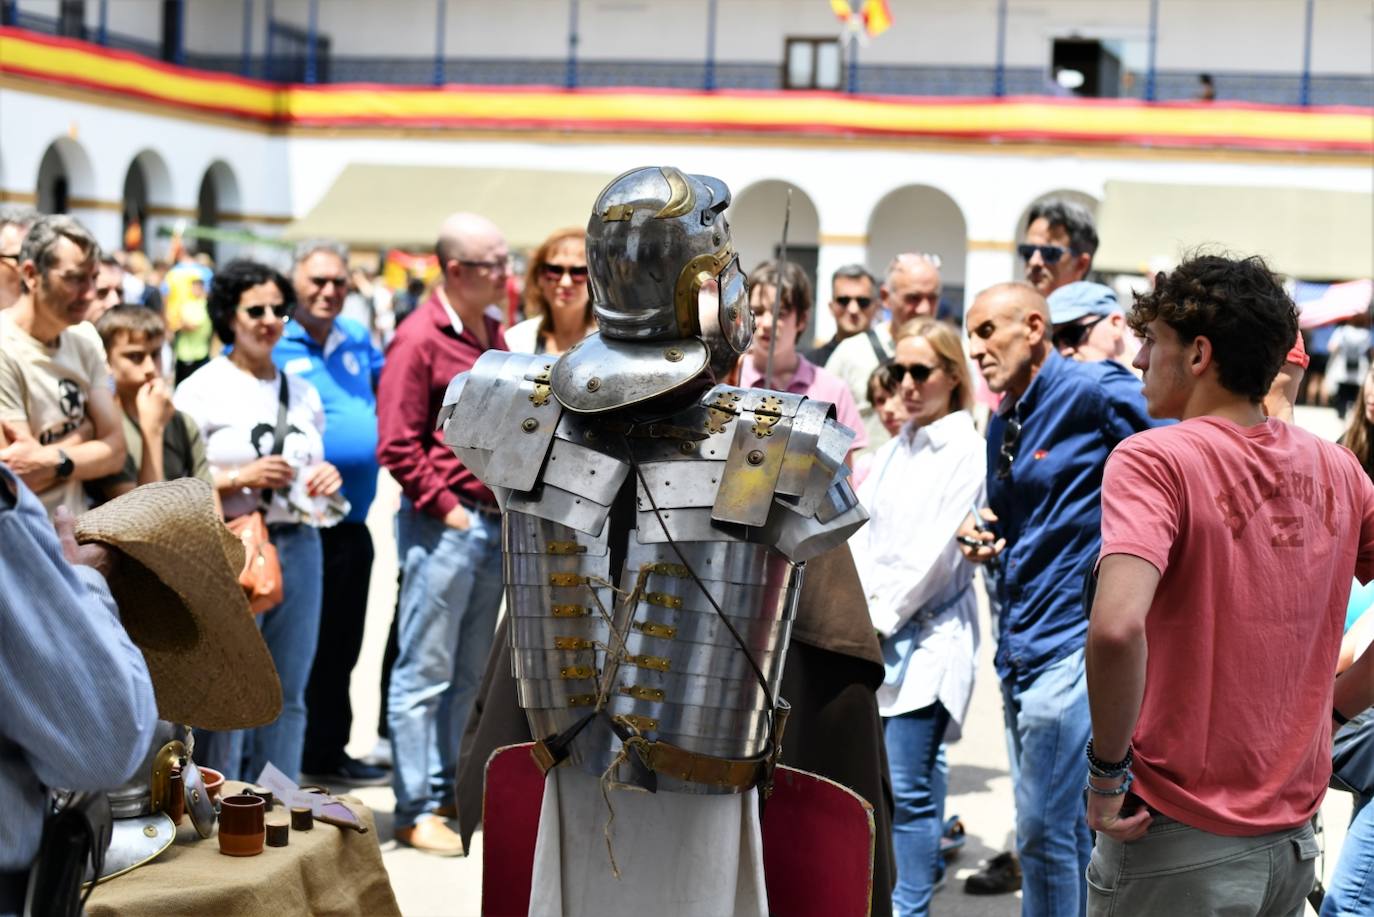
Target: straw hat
[(179, 596)]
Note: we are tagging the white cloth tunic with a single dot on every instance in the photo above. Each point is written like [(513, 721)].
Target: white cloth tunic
[(921, 487)]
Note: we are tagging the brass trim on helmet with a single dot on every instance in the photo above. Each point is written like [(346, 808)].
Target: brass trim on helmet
[(694, 274), (681, 199)]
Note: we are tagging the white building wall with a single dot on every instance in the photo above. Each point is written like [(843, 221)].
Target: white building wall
[(1203, 35)]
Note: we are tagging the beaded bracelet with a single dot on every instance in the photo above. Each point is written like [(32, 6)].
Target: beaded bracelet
[(1107, 769), (1114, 791)]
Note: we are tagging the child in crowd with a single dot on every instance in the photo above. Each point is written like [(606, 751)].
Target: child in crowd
[(888, 407), (163, 443)]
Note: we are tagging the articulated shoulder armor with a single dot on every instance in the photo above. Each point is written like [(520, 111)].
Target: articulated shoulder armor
[(633, 549)]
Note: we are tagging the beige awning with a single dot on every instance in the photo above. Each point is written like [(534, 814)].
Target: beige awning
[(1311, 235), (374, 206)]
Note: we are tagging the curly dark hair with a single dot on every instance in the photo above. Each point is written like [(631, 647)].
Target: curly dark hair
[(1237, 304), (228, 286)]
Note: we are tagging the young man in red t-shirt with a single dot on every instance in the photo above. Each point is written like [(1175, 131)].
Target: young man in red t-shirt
[(1228, 544)]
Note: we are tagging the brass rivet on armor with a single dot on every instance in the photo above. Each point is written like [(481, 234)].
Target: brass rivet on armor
[(150, 831), (755, 457), (673, 355), (687, 447), (593, 384), (732, 314), (529, 425)]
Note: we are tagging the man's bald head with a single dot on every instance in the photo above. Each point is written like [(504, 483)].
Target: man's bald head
[(912, 287), (474, 259), (1009, 335)]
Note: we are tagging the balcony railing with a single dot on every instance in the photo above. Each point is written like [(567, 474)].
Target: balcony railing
[(1283, 88)]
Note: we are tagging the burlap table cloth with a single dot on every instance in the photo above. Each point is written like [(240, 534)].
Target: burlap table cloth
[(325, 871)]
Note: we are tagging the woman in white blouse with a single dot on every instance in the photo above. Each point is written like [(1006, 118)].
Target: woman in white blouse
[(919, 587)]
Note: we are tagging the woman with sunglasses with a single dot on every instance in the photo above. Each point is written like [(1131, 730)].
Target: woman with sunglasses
[(920, 587), (558, 311), (237, 401)]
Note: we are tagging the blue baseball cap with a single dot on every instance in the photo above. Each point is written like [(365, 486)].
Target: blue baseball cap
[(1073, 301)]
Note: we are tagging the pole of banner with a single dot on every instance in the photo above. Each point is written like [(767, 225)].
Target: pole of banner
[(1305, 92), (312, 32), (570, 78), (179, 49), (1154, 44), (246, 67), (267, 66), (709, 83), (853, 66), (103, 36), (440, 26), (780, 291), (999, 78)]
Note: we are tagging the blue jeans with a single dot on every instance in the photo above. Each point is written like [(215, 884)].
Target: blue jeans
[(918, 794), (1351, 892), (1048, 725), (291, 631), (450, 593)]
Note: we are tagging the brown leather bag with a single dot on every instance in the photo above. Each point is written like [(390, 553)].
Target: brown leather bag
[(261, 576)]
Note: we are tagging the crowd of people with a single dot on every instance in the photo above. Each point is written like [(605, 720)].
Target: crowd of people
[(1185, 514)]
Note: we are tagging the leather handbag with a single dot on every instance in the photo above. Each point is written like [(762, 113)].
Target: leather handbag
[(261, 576)]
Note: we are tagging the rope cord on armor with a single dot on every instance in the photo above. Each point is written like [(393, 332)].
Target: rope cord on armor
[(739, 641)]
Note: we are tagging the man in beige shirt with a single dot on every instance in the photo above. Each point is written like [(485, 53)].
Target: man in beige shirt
[(58, 417)]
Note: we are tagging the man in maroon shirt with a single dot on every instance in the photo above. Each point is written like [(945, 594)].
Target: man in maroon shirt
[(448, 531)]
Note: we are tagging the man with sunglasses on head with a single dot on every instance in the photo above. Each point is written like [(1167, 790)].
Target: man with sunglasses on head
[(1089, 324), (448, 531), (15, 221), (1047, 446), (911, 290), (1059, 245), (336, 355), (58, 416), (854, 303)]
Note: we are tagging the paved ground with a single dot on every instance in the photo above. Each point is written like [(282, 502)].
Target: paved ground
[(980, 789)]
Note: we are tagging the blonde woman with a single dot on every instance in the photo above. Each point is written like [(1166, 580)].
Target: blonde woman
[(919, 586)]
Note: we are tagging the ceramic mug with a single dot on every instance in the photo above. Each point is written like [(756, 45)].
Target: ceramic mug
[(241, 825)]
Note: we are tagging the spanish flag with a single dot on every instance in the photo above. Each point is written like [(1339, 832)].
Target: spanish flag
[(877, 16)]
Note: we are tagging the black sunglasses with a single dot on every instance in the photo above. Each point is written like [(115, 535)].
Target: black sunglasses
[(281, 310), (919, 372), (1050, 254), (863, 301), (340, 283), (1073, 335), (1011, 436), (555, 272)]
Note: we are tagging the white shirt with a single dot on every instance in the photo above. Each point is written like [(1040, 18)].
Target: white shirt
[(918, 493), (237, 415)]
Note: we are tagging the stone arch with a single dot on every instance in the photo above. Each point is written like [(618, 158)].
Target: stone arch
[(147, 189), (65, 175), (756, 217), (217, 200), (921, 218)]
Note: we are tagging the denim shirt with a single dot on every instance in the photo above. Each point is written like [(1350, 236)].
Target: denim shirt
[(1049, 509)]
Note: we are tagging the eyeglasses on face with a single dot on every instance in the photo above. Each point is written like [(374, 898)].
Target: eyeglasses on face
[(863, 301), (339, 282), (498, 264), (554, 273), (1006, 456), (1050, 254), (918, 372), (257, 313), (1071, 336)]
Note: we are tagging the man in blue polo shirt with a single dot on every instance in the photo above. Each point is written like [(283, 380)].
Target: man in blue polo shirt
[(1047, 448), (337, 356)]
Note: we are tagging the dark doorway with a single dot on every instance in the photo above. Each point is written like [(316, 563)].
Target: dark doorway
[(1101, 69)]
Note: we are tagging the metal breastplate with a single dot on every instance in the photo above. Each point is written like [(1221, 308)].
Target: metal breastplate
[(605, 523)]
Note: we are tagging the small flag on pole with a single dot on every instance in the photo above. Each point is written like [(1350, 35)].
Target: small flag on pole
[(842, 9), (877, 15)]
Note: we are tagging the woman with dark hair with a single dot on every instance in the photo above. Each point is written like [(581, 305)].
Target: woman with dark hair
[(558, 311), (263, 434)]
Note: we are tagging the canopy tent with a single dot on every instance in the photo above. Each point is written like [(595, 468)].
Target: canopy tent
[(1304, 233), (374, 206)]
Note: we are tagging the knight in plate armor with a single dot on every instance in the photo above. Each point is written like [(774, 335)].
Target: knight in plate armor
[(656, 529)]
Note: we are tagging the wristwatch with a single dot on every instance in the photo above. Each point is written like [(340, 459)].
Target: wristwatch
[(65, 465)]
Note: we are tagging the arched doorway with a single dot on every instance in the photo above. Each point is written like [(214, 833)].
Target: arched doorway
[(147, 188), (756, 218), (218, 196), (64, 176), (920, 218)]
